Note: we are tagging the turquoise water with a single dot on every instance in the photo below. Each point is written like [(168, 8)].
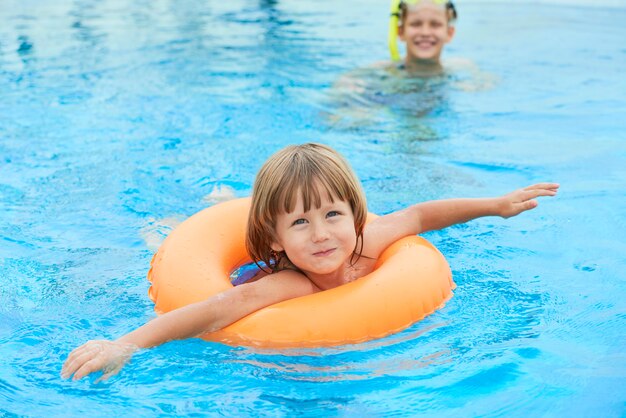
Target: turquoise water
[(117, 119)]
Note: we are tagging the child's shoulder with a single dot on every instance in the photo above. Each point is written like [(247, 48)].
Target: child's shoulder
[(468, 75), (363, 79), (382, 232), (459, 63)]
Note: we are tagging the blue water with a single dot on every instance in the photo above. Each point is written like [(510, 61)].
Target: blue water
[(118, 119)]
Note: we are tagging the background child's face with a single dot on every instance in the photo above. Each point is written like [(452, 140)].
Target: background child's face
[(425, 31)]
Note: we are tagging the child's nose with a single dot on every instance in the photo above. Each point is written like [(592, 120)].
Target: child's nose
[(426, 30), (320, 233)]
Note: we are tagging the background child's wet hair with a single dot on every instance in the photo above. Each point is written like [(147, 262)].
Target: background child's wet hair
[(451, 12), (299, 170)]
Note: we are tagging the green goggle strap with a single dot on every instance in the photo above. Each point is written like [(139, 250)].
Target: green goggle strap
[(392, 37)]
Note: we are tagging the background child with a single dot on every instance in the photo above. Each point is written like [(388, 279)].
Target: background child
[(307, 225), (411, 88)]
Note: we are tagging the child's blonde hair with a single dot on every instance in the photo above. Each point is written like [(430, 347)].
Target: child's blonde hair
[(299, 170), (451, 12)]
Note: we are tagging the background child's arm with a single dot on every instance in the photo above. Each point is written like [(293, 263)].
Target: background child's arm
[(439, 214), (209, 315)]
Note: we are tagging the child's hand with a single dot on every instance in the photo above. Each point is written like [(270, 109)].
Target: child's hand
[(521, 200), (108, 356)]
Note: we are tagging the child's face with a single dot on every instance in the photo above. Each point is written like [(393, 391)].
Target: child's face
[(425, 31), (319, 241)]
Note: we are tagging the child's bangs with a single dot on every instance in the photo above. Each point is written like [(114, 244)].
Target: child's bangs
[(309, 185)]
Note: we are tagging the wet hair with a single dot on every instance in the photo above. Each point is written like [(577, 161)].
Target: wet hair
[(299, 171), (451, 12)]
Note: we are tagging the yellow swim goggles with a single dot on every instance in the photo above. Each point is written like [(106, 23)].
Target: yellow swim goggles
[(396, 8)]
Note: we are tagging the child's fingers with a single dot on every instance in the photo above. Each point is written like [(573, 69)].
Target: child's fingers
[(533, 193), (74, 359), (547, 186), (89, 367), (541, 192), (526, 205), (75, 363), (78, 357), (75, 353), (530, 204)]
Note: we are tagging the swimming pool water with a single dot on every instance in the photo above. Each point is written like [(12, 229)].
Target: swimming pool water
[(118, 119)]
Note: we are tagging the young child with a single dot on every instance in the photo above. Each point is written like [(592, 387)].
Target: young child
[(307, 225), (417, 85), (425, 26)]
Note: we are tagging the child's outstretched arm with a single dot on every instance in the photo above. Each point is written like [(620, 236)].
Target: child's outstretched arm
[(439, 214), (189, 321)]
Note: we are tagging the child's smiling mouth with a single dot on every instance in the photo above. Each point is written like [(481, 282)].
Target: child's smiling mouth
[(425, 43), (324, 253)]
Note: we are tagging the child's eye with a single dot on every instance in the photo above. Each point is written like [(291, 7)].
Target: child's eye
[(299, 221), (332, 213)]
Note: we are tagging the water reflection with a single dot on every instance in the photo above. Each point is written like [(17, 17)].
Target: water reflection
[(25, 46), (406, 105), (391, 356), (356, 370), (382, 95)]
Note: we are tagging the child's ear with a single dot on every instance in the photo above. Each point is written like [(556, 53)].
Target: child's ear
[(401, 32), (451, 32)]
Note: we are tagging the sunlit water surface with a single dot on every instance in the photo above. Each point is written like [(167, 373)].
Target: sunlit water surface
[(118, 119)]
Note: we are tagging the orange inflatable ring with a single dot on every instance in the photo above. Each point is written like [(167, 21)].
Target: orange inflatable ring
[(412, 279)]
